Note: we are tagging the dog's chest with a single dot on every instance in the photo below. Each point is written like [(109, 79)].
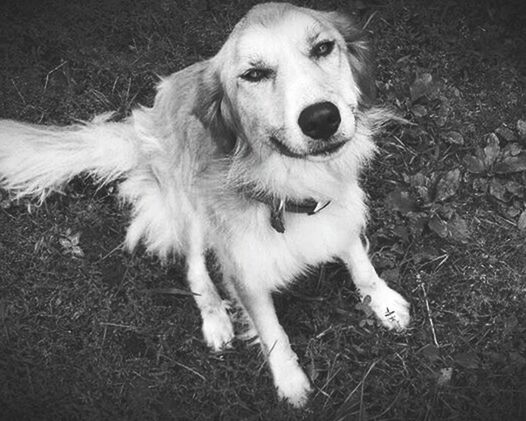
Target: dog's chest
[(254, 250)]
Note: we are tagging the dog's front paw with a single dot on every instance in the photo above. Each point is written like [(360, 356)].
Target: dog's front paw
[(293, 385), (218, 331), (390, 308)]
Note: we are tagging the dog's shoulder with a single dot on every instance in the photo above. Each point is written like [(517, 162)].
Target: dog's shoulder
[(178, 91)]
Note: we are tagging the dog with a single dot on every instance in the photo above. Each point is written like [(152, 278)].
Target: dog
[(254, 154)]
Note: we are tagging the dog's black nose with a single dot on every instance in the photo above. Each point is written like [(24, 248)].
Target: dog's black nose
[(320, 120)]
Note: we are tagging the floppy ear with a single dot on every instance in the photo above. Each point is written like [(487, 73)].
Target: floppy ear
[(208, 107), (359, 53)]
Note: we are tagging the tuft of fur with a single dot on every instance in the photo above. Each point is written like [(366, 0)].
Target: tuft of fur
[(35, 160)]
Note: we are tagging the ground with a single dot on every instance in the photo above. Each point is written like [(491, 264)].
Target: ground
[(88, 331)]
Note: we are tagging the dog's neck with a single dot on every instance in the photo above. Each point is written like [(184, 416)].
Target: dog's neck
[(278, 206)]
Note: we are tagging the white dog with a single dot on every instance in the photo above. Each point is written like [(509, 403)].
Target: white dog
[(254, 154)]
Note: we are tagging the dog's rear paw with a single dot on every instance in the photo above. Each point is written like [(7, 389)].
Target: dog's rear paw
[(390, 308), (218, 331), (293, 386)]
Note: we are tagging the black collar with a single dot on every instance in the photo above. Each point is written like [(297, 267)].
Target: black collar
[(279, 206)]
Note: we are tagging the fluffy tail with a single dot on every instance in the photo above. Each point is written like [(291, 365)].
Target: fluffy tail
[(37, 159)]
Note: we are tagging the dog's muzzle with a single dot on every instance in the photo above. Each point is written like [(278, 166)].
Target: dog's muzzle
[(319, 122)]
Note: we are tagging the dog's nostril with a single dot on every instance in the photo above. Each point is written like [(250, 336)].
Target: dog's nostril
[(320, 120)]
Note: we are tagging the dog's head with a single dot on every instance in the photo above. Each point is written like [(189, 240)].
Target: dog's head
[(288, 80)]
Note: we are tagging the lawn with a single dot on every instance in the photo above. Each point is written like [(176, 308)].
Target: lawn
[(88, 331)]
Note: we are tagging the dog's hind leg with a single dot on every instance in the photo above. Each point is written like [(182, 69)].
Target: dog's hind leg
[(217, 327), (389, 306)]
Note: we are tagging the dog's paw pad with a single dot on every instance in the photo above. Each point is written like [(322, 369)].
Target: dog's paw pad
[(390, 308), (293, 386), (218, 331)]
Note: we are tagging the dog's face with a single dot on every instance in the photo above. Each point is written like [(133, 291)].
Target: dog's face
[(287, 82)]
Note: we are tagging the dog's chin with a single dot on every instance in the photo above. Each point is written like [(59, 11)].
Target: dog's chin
[(324, 152)]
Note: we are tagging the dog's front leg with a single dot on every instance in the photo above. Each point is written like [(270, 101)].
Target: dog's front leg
[(217, 328), (291, 382), (389, 306)]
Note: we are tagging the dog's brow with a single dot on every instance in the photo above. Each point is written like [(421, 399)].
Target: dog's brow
[(312, 37), (314, 31), (257, 62)]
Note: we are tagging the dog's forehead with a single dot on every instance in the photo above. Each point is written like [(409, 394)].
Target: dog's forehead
[(271, 27)]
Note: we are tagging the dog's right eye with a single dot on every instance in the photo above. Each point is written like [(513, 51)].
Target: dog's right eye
[(323, 49), (255, 75)]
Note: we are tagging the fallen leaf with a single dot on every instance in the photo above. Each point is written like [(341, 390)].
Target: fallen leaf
[(401, 201), (517, 360), (455, 229), (453, 137), (498, 190), (312, 371), (515, 188), (446, 211), (70, 243), (401, 232), (521, 224), (480, 185), (438, 226), (364, 306), (512, 164), (421, 86), (513, 212), (448, 185), (496, 357), (445, 375), (458, 229), (521, 129), (416, 222), (506, 134), (424, 256), (511, 149), (419, 110), (430, 352), (443, 113), (467, 360), (510, 324), (366, 323), (417, 179), (420, 185), (474, 164), (390, 275), (491, 150)]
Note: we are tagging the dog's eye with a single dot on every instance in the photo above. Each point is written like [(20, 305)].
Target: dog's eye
[(256, 75), (323, 49)]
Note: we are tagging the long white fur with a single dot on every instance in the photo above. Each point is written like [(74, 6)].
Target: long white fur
[(187, 192), (35, 158)]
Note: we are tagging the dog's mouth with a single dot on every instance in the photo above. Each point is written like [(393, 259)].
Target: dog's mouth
[(324, 151), (328, 149)]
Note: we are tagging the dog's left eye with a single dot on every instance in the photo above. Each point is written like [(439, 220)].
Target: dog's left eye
[(323, 49), (256, 75)]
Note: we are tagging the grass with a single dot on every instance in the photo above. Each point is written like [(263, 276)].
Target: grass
[(93, 336)]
